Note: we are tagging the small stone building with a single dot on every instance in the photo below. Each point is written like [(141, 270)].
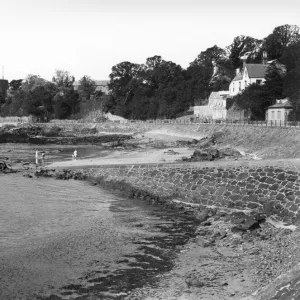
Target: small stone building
[(279, 112)]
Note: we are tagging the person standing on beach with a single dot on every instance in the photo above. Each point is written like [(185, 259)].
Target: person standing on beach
[(75, 154), (36, 158)]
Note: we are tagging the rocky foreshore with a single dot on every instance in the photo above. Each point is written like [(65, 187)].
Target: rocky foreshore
[(242, 252), (34, 134), (241, 245)]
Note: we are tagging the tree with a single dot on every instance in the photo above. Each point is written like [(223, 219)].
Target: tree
[(63, 79), (245, 46), (66, 104), (15, 85), (66, 101), (123, 83), (254, 100), (205, 58), (291, 56), (275, 77), (86, 88), (121, 78), (31, 82), (292, 87), (281, 37)]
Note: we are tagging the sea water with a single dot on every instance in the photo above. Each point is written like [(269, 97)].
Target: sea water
[(68, 239)]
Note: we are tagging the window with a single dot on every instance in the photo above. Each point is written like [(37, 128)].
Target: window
[(258, 81), (240, 86), (233, 87), (273, 115), (278, 114)]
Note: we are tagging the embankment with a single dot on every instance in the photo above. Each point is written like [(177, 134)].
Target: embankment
[(266, 142), (255, 189)]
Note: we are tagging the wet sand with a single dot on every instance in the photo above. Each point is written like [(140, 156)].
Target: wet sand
[(142, 156)]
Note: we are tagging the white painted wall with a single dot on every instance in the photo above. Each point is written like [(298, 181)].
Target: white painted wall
[(219, 113), (203, 111), (278, 114)]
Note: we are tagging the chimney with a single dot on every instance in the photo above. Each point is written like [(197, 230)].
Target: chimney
[(244, 61), (265, 58)]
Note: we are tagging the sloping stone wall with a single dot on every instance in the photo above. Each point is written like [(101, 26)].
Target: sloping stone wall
[(271, 190)]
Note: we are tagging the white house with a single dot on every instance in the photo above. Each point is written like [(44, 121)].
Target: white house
[(250, 73), (216, 108), (279, 112)]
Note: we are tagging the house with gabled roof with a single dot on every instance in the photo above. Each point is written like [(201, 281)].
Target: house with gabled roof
[(278, 113), (250, 73)]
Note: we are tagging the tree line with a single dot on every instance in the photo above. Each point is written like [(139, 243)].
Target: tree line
[(49, 99), (162, 89)]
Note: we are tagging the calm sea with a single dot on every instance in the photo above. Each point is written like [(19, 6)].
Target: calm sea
[(71, 240)]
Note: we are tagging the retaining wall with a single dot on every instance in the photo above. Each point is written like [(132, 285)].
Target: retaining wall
[(270, 190)]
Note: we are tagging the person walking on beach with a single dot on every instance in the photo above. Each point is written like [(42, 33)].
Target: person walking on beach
[(43, 159)]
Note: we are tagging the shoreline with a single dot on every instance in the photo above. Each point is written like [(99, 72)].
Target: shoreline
[(216, 241), (227, 251)]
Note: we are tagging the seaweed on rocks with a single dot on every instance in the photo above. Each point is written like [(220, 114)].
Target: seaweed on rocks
[(64, 174)]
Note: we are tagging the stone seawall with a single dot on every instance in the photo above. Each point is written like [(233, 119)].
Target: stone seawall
[(266, 189)]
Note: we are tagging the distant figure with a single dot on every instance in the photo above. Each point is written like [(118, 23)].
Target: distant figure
[(43, 159), (36, 157), (74, 156)]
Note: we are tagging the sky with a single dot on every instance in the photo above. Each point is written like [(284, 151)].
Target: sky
[(88, 37)]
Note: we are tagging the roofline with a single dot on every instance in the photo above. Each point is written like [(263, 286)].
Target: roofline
[(281, 106)]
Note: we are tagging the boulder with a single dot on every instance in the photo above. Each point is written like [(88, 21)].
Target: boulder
[(205, 155), (229, 152), (3, 165), (202, 216), (248, 223)]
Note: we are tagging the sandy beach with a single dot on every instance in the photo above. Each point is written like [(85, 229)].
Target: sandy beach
[(142, 156)]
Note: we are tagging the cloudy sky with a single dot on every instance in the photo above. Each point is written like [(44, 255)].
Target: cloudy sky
[(88, 37)]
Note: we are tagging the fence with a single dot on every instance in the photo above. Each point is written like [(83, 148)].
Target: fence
[(187, 121), (222, 122)]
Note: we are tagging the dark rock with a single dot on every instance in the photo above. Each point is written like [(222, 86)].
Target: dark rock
[(27, 175), (194, 281), (3, 165), (202, 216), (248, 223), (229, 152), (206, 223)]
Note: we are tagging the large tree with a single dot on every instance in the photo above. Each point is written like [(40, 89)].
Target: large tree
[(66, 101), (253, 100), (63, 79), (86, 88), (281, 37)]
